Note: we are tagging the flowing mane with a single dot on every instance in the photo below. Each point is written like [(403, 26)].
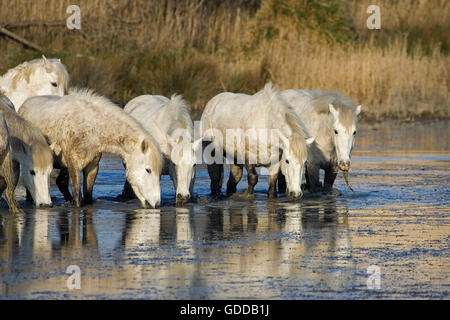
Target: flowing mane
[(103, 104), (27, 137), (321, 99), (278, 104), (178, 106), (111, 110), (6, 101)]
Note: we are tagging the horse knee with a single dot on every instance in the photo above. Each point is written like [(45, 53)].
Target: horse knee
[(252, 179)]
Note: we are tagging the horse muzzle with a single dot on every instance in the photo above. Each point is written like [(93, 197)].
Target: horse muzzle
[(294, 195), (182, 198), (344, 166), (148, 205)]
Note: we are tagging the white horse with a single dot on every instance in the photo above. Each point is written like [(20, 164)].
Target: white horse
[(169, 123), (34, 78), (6, 170), (80, 127), (31, 151), (251, 120), (332, 118)]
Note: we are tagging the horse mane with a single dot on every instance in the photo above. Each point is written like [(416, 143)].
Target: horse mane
[(103, 104), (297, 141), (27, 137), (5, 100), (27, 68), (179, 107), (321, 99)]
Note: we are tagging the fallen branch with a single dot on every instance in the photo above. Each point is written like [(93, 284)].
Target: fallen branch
[(20, 39), (32, 23)]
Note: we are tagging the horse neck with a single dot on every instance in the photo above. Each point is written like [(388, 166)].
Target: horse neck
[(122, 141), (325, 134), (124, 149)]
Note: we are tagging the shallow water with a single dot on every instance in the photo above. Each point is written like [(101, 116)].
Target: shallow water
[(320, 247)]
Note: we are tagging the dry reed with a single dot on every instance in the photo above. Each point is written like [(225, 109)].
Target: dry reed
[(200, 48)]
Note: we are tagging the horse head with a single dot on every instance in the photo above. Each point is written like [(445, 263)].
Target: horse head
[(344, 131)]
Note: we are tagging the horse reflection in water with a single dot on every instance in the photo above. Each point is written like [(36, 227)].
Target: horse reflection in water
[(191, 252)]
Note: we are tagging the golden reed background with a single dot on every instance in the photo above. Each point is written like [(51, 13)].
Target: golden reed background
[(200, 48)]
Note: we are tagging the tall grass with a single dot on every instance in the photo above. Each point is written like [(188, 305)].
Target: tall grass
[(200, 48)]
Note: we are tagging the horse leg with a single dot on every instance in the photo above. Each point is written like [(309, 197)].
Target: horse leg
[(252, 178), (2, 185), (312, 177), (281, 183), (215, 172), (8, 181), (75, 184), (127, 192), (272, 193), (15, 172), (274, 176), (236, 171), (62, 181), (330, 175), (89, 176)]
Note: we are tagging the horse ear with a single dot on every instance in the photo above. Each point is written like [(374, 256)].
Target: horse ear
[(47, 64), (333, 110), (310, 140), (358, 109), (144, 146)]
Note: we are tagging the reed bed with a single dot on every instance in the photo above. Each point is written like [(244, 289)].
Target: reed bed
[(200, 48)]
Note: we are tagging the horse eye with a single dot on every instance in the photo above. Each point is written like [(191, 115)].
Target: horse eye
[(195, 164), (54, 84), (287, 161), (149, 171), (335, 132), (354, 132), (32, 172)]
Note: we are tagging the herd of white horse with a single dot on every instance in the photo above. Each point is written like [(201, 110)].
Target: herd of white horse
[(44, 125)]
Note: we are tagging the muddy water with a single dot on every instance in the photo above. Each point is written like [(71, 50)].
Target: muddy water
[(397, 219)]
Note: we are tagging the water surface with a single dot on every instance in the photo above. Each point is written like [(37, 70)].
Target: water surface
[(319, 247)]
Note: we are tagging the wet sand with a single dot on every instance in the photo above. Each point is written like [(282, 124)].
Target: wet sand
[(397, 219)]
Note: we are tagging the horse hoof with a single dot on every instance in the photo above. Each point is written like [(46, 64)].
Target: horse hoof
[(249, 196)]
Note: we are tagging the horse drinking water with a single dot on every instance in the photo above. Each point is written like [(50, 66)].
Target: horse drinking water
[(169, 123), (332, 118), (80, 127), (6, 171), (31, 152), (251, 120)]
